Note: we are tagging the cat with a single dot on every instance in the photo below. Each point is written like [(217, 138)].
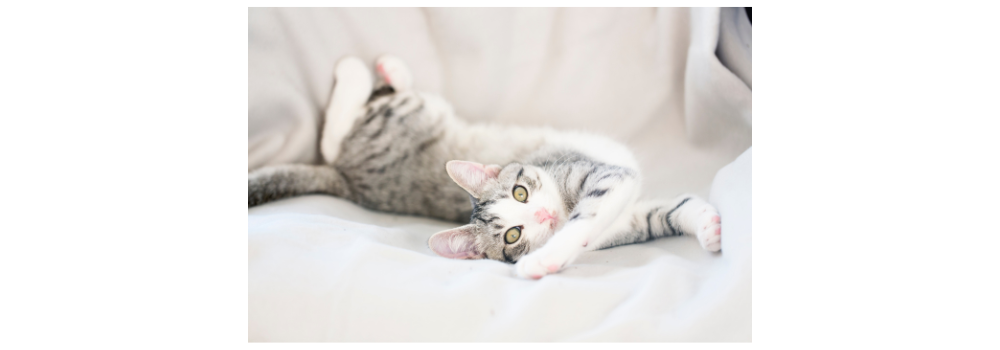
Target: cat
[(533, 197)]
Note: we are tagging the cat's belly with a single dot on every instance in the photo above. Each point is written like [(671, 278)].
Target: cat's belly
[(394, 160), (414, 184)]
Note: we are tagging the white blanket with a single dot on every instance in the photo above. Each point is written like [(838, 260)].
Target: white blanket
[(323, 269)]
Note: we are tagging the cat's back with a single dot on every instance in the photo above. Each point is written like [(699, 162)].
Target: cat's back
[(598, 148), (492, 143)]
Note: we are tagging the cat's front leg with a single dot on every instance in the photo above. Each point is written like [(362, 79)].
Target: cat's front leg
[(558, 252), (603, 199), (565, 247)]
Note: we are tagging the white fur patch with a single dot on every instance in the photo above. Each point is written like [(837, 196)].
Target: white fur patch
[(353, 86)]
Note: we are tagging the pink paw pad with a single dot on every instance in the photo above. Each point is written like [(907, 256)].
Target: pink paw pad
[(553, 268), (718, 231), (536, 276), (382, 72), (716, 219)]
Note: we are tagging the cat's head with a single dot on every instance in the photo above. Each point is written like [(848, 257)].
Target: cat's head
[(516, 209)]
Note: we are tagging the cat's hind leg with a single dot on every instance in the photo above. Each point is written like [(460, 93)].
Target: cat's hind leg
[(288, 180), (347, 102), (394, 72), (684, 215)]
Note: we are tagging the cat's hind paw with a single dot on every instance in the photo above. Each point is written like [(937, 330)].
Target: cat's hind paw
[(353, 82), (709, 229), (394, 72)]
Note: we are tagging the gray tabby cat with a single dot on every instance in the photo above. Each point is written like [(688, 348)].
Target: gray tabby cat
[(539, 197)]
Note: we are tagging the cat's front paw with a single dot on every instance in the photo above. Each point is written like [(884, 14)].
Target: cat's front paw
[(530, 266), (545, 261), (709, 229)]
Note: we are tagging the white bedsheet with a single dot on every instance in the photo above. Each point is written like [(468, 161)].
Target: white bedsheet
[(323, 269)]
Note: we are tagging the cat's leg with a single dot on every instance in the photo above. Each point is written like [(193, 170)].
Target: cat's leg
[(347, 102), (605, 196), (288, 180), (639, 222), (394, 72), (698, 218), (684, 215)]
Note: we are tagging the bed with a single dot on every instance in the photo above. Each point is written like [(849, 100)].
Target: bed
[(323, 269)]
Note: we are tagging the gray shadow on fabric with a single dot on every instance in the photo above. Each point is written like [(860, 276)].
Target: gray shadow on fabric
[(734, 50)]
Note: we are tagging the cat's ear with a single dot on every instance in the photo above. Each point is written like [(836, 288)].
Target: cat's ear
[(456, 243), (472, 176)]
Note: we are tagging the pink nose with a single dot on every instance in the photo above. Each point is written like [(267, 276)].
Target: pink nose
[(542, 216)]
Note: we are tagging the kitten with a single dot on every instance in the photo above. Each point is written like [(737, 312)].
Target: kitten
[(539, 197)]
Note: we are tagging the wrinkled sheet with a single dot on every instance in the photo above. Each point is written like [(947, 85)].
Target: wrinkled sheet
[(323, 269)]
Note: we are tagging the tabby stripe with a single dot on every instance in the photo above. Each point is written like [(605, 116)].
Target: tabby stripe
[(649, 226), (382, 127), (670, 223), (518, 249), (379, 170), (584, 181), (609, 175), (423, 146), (372, 116), (373, 156), (531, 183), (597, 193), (505, 257), (479, 216)]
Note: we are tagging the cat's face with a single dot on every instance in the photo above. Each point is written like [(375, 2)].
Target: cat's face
[(516, 209)]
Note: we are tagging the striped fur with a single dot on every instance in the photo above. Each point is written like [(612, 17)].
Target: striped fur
[(283, 181), (649, 220)]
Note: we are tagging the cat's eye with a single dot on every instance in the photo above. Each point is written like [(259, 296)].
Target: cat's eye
[(520, 193), (512, 235)]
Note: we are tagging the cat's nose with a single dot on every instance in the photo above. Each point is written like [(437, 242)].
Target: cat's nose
[(542, 215)]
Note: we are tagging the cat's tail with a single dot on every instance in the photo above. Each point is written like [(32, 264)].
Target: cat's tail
[(282, 181)]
